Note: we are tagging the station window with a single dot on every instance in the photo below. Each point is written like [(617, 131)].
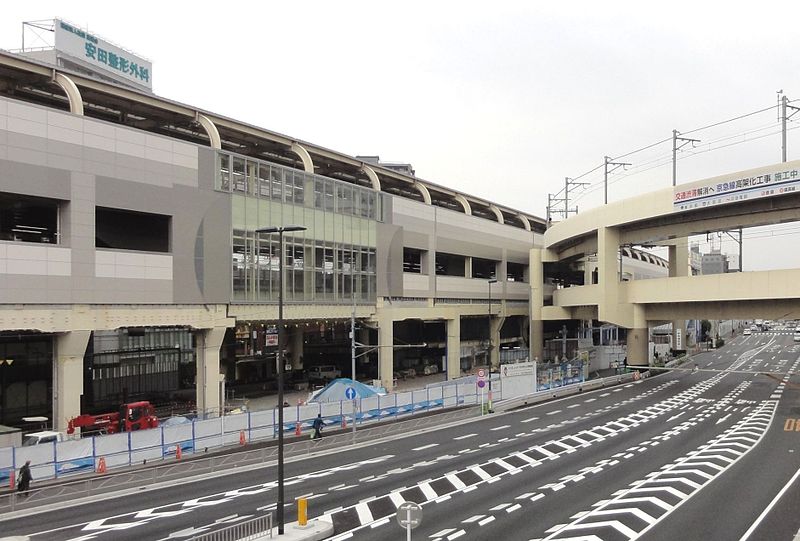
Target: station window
[(450, 265), (484, 268), (28, 219), (412, 260), (515, 272), (127, 230)]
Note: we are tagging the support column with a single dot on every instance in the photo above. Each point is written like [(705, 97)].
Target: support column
[(296, 347), (495, 324), (70, 349), (608, 273), (207, 346), (454, 347), (536, 272), (386, 352), (679, 267), (638, 338)]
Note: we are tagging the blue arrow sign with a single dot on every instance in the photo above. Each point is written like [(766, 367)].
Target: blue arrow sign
[(350, 393)]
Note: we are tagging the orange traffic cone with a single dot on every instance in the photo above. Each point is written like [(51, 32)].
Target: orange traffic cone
[(242, 439), (178, 452), (101, 465), (298, 429), (11, 479)]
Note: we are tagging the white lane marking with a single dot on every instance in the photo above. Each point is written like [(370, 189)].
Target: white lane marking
[(721, 419), (487, 520), (500, 427), (465, 436), (573, 406), (456, 535), (378, 523), (471, 519), (554, 412), (590, 400), (604, 395), (675, 416), (425, 447), (766, 511), (513, 508), (529, 420)]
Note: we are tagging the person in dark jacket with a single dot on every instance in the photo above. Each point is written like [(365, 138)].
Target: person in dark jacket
[(317, 425), (25, 478)]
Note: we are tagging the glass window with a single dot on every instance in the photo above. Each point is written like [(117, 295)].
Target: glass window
[(299, 188), (319, 189), (239, 181), (263, 180), (239, 265), (328, 196), (224, 173), (252, 177), (344, 199), (276, 177), (30, 219)]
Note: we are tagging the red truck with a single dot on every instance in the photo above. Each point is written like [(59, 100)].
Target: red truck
[(133, 416)]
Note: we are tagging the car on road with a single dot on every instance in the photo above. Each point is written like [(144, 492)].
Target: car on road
[(324, 372), (796, 337), (747, 332)]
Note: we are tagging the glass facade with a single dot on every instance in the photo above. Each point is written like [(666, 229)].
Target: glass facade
[(333, 261)]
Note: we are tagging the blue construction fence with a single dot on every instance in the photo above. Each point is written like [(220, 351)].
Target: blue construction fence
[(60, 459)]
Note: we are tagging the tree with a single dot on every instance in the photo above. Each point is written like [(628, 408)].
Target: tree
[(705, 328)]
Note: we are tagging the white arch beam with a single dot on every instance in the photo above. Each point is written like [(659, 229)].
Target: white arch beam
[(71, 90), (211, 130), (372, 175), (497, 213), (525, 222), (426, 195), (305, 157), (464, 203)]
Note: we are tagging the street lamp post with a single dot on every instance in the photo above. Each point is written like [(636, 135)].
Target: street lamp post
[(489, 348), (280, 231)]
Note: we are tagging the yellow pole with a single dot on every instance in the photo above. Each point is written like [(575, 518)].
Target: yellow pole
[(302, 511)]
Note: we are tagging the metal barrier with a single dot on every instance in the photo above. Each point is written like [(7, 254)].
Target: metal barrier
[(254, 528)]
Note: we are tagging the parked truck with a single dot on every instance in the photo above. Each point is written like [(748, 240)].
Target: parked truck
[(130, 417)]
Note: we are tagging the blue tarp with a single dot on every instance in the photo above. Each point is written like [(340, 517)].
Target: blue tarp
[(335, 391)]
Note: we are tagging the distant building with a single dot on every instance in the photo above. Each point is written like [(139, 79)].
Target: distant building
[(714, 262), (695, 258), (404, 168)]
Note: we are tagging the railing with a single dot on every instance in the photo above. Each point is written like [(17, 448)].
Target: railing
[(254, 528)]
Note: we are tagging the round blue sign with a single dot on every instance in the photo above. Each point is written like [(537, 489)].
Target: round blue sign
[(481, 383), (350, 393)]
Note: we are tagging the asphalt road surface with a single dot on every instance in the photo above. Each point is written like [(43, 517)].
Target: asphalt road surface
[(690, 455)]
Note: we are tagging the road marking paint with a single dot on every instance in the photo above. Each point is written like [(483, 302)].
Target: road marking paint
[(513, 508), (766, 511), (465, 436), (604, 395), (380, 522), (456, 535), (425, 447), (486, 521), (470, 520), (554, 412), (590, 400), (529, 420), (500, 427), (721, 419)]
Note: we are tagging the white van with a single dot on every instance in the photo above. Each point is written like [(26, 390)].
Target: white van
[(323, 373), (38, 438)]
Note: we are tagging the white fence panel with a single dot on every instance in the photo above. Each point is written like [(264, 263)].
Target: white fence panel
[(177, 433), (235, 423), (261, 425), (114, 448), (146, 445)]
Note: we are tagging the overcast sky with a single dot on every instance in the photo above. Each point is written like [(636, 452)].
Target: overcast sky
[(500, 100)]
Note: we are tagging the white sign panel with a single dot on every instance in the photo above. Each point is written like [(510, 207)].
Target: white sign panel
[(102, 55), (766, 182), (518, 369)]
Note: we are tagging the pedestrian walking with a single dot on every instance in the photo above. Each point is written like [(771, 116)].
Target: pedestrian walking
[(317, 425), (25, 478)]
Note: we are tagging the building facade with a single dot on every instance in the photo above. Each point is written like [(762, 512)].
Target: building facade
[(132, 267)]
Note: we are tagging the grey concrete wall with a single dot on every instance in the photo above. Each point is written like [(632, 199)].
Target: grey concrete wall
[(86, 163)]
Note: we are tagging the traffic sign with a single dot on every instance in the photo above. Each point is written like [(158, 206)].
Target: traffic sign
[(350, 393), (409, 515), (481, 373), (481, 383)]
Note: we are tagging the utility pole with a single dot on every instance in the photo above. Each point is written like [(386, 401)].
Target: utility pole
[(783, 107), (571, 184), (675, 148), (616, 165)]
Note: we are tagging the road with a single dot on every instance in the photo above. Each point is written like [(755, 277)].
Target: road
[(691, 455)]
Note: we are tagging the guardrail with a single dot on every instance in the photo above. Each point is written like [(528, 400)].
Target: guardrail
[(255, 528)]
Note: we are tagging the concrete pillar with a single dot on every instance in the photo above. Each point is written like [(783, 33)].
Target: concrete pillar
[(638, 339), (608, 267), (69, 351), (454, 348), (386, 352), (536, 272), (207, 346), (495, 324), (679, 267), (296, 347)]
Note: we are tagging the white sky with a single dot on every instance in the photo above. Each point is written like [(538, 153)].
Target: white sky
[(501, 100)]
